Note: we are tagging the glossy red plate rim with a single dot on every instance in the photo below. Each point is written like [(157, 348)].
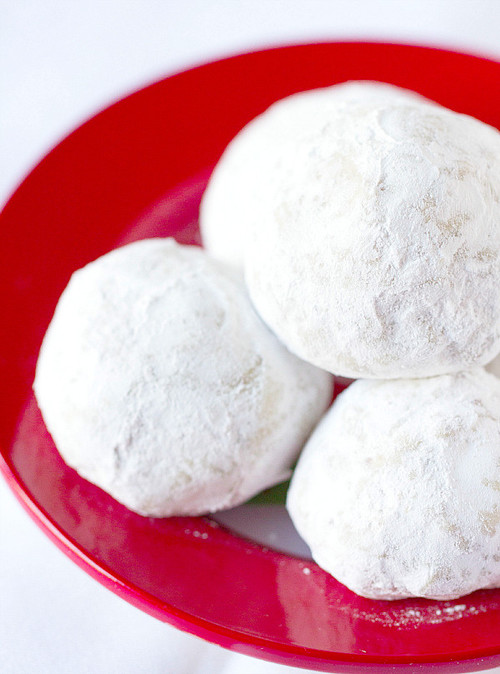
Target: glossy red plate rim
[(466, 660), (228, 638)]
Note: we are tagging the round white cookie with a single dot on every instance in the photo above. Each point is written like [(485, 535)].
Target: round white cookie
[(376, 253), (160, 384), (397, 491), (234, 193)]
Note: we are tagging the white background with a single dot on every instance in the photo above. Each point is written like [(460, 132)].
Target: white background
[(60, 61)]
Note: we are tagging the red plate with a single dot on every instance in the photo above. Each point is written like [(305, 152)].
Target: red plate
[(138, 169)]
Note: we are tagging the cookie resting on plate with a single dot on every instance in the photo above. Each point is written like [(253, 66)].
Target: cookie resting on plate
[(397, 490), (160, 384)]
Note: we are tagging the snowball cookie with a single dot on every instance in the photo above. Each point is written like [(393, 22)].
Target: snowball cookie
[(159, 383), (377, 249), (233, 195), (397, 491)]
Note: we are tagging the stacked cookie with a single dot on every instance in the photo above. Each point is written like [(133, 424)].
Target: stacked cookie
[(366, 221)]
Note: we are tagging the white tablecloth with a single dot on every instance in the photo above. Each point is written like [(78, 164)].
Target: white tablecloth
[(60, 62)]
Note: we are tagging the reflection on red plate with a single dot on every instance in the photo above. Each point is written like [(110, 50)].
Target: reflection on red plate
[(138, 169)]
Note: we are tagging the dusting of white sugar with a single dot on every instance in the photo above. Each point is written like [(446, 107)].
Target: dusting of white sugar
[(374, 249), (397, 490), (404, 617), (233, 195), (160, 384)]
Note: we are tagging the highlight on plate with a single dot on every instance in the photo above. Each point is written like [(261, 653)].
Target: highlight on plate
[(352, 231)]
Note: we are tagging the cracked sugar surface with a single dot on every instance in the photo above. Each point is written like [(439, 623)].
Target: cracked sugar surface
[(374, 250), (396, 491), (159, 383)]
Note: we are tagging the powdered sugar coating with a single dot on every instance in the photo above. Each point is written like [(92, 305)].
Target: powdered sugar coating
[(160, 384), (376, 252), (397, 490), (233, 196)]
